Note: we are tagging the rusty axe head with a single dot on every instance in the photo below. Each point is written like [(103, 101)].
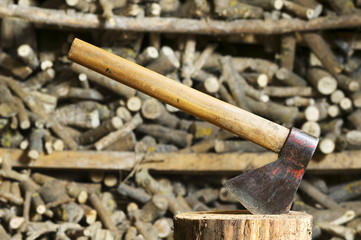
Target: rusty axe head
[(271, 188)]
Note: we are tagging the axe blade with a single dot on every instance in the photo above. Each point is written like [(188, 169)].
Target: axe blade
[(271, 188)]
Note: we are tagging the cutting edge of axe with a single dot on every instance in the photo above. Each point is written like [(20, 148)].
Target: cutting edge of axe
[(236, 120)]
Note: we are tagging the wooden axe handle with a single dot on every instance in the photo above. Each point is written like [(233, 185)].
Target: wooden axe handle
[(240, 122)]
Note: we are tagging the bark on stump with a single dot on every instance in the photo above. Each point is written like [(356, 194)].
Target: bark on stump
[(232, 225)]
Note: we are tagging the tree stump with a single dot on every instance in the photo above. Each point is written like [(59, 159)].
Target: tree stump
[(241, 224)]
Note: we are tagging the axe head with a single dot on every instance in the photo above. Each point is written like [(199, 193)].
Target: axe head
[(271, 188)]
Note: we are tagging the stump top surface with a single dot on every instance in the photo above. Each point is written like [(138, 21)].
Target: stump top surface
[(238, 214)]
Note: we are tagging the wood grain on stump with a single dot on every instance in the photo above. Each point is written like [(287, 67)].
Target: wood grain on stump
[(232, 225)]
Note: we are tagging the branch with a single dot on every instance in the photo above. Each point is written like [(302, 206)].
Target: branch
[(78, 20)]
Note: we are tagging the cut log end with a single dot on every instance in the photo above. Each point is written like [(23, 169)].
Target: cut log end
[(278, 4), (310, 13), (151, 109), (262, 80), (152, 52), (327, 146), (211, 85), (231, 225), (24, 50), (327, 85), (82, 197), (33, 154), (312, 113), (346, 104), (354, 86), (134, 104), (16, 222), (117, 122), (312, 128), (41, 209)]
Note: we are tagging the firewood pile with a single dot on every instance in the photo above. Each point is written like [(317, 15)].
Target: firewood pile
[(293, 62)]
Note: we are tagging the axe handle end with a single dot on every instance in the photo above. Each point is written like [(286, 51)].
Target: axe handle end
[(236, 120)]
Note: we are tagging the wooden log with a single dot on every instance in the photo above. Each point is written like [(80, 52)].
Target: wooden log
[(274, 111), (103, 81), (15, 67), (210, 85), (299, 101), (289, 78), (166, 62), (299, 10), (135, 193), (221, 146), (328, 144), (256, 79), (28, 56), (178, 137), (36, 143), (346, 83), (345, 191), (188, 57), (317, 112), (235, 10), (164, 227), (338, 231), (150, 53), (324, 82), (36, 200), (317, 195), (38, 109), (355, 119), (334, 126), (265, 4), (8, 103), (76, 115), (103, 213), (134, 104), (41, 78), (322, 50), (233, 225), (110, 180), (123, 113), (118, 134), (342, 7), (125, 144), (84, 94), (346, 105), (274, 91), (146, 229), (23, 117), (69, 212), (155, 111), (356, 99), (77, 192), (316, 6), (288, 51), (154, 208), (83, 80), (337, 96), (53, 193), (106, 127), (236, 87)]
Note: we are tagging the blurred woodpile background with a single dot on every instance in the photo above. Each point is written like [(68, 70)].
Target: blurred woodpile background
[(84, 157)]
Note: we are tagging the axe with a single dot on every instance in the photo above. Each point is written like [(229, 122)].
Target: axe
[(266, 190)]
